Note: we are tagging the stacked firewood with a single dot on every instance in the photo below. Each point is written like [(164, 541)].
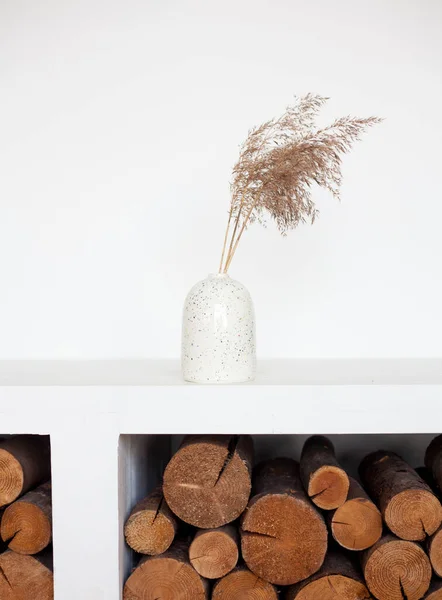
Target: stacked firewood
[(26, 519), (219, 528)]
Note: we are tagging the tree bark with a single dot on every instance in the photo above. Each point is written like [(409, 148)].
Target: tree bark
[(283, 535), (26, 577), (26, 524), (409, 507), (214, 552), (151, 526), (396, 569), (433, 460), (357, 524), (207, 483), (324, 479), (169, 575), (24, 464), (338, 577)]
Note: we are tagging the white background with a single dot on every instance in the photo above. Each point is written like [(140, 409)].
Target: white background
[(119, 125)]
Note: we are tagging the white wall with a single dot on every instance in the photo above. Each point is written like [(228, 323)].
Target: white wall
[(119, 124)]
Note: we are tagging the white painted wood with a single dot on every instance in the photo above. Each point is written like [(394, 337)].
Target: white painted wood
[(97, 476)]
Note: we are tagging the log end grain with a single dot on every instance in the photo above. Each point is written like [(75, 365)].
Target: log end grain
[(151, 526), (169, 576), (242, 583), (413, 514), (214, 552), (331, 587), (283, 538), (357, 524), (24, 577), (396, 569), (435, 591), (11, 477), (328, 487), (207, 483), (434, 546), (25, 528)]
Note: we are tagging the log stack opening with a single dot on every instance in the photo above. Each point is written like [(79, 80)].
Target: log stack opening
[(26, 571), (287, 530)]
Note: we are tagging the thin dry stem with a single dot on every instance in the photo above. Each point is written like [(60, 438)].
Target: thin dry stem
[(278, 164)]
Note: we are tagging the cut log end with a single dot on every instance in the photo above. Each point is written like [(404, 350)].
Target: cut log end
[(165, 577), (413, 514), (328, 487), (330, 588), (283, 538), (207, 483), (151, 526), (434, 547), (242, 583), (214, 552), (435, 591), (397, 569), (25, 528), (25, 578), (11, 478), (357, 524)]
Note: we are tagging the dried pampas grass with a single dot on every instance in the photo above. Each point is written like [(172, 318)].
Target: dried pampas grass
[(279, 162)]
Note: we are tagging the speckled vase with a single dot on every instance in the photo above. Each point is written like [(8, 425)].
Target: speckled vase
[(218, 337)]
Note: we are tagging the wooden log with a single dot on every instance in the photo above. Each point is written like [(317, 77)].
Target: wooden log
[(433, 459), (169, 575), (26, 525), (434, 551), (357, 524), (207, 483), (435, 591), (427, 476), (214, 552), (283, 535), (25, 577), (324, 479), (24, 464), (151, 526), (396, 569), (338, 577), (409, 507), (245, 585)]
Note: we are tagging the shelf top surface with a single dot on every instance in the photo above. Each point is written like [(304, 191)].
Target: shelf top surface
[(290, 372)]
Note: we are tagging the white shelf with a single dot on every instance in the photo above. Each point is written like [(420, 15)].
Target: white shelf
[(85, 406)]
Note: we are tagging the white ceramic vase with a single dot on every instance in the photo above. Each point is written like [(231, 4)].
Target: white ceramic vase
[(218, 336)]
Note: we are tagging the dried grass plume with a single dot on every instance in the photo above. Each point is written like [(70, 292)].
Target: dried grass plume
[(278, 163)]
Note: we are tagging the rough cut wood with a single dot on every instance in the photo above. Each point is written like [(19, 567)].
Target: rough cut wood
[(207, 483), (433, 459), (151, 526), (357, 524), (26, 577), (26, 525), (283, 535), (245, 585), (435, 591), (24, 464), (324, 479), (338, 577), (409, 507), (169, 575), (434, 550), (396, 569), (214, 552)]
